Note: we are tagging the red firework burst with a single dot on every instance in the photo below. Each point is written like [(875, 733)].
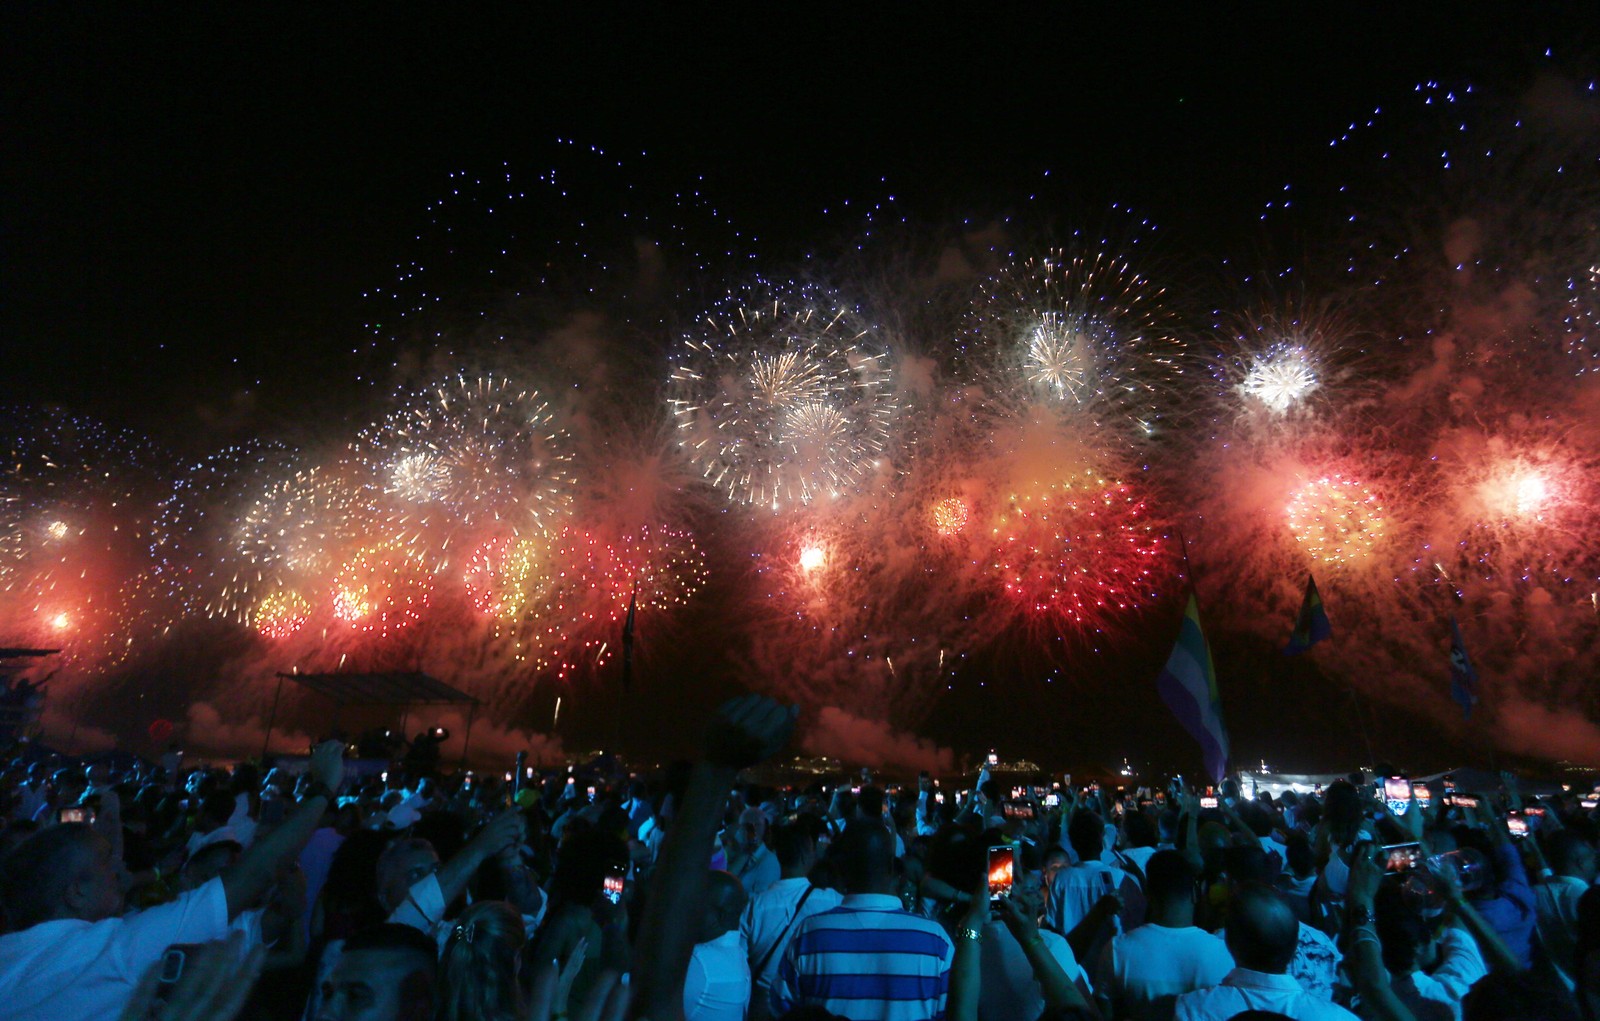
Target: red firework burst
[(1079, 552)]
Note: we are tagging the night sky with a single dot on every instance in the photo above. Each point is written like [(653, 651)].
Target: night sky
[(195, 198)]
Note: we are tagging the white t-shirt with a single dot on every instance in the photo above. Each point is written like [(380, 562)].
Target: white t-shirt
[(70, 969), (1008, 989), (1143, 972), (1244, 990), (1077, 889), (765, 919), (717, 985)]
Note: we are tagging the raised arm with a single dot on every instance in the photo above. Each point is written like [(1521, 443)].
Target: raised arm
[(247, 880), (499, 833), (1060, 991), (745, 731)]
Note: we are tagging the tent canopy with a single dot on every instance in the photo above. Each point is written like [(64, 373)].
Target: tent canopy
[(382, 689)]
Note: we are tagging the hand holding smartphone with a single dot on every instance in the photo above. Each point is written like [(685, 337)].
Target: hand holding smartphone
[(615, 878), (1002, 871)]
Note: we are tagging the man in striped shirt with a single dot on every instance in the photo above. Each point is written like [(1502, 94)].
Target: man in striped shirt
[(867, 959)]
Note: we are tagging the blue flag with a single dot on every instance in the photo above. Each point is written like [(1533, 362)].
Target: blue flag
[(1312, 625), (1188, 685), (1463, 679)]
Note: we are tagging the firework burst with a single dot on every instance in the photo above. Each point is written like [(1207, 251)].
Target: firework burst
[(557, 606), (1337, 520), (783, 400), (1079, 552), (382, 589), (472, 453), (1085, 332)]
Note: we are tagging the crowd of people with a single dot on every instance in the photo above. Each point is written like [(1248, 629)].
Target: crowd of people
[(155, 891)]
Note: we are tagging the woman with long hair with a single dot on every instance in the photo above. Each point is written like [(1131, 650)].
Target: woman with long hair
[(478, 973)]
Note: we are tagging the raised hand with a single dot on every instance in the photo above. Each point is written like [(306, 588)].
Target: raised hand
[(501, 832), (1020, 913), (327, 764), (1365, 876), (977, 915), (749, 730)]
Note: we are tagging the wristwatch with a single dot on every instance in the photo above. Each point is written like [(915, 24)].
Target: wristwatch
[(968, 932), (1360, 914)]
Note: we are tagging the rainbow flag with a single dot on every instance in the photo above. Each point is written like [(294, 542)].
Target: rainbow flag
[(1188, 685)]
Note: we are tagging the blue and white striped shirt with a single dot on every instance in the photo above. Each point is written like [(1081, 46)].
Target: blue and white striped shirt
[(867, 960)]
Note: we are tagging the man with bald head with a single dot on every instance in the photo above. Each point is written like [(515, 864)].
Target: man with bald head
[(717, 985), (1263, 934), (867, 959)]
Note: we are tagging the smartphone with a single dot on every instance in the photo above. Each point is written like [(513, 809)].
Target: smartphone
[(1396, 788), (1208, 802), (611, 886), (938, 796), (76, 813), (1516, 824), (1401, 857), (1052, 800), (1464, 801), (1536, 811), (1002, 871), (591, 793), (1422, 794)]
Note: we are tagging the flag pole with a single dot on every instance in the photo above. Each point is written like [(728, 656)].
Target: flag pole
[(627, 665)]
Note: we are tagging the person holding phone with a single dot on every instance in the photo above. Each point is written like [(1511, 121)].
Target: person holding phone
[(69, 955), (1091, 888)]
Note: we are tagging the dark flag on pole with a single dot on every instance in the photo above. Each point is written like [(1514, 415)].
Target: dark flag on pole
[(627, 637), (1463, 678), (1312, 625)]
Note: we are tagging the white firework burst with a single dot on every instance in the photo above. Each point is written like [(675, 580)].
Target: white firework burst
[(783, 400)]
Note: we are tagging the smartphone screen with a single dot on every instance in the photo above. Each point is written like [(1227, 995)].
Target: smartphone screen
[(1396, 788), (612, 884), (1002, 870), (1052, 800), (591, 793), (1401, 857), (1464, 801), (1516, 824), (76, 813), (1423, 795), (1208, 802)]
